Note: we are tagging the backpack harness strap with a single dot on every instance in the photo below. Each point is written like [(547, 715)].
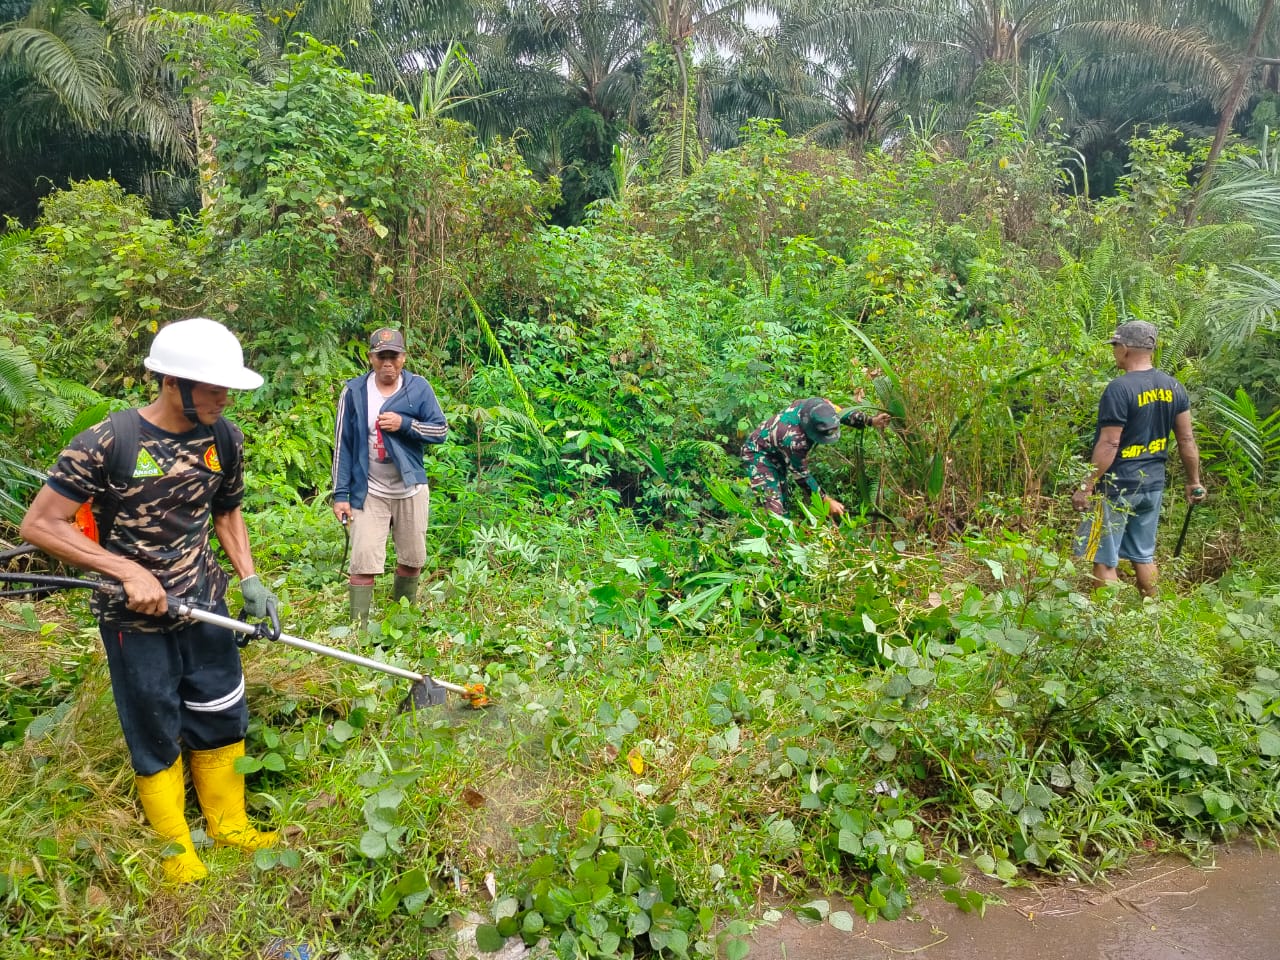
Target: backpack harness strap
[(122, 460)]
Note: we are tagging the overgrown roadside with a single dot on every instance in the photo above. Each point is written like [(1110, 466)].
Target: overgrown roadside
[(837, 717), (696, 704)]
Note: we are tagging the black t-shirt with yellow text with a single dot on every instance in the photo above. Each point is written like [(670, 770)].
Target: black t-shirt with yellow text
[(1144, 404)]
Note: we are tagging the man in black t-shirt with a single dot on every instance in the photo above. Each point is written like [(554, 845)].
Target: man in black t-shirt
[(176, 683), (1136, 415)]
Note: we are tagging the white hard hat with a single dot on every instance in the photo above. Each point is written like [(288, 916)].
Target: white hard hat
[(204, 351)]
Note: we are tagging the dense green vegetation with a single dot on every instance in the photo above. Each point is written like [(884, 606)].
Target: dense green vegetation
[(698, 707), (94, 89)]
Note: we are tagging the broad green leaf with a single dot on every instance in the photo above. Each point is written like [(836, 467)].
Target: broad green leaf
[(590, 821), (1268, 742), (937, 473), (820, 907), (920, 677), (488, 939), (415, 881), (373, 844), (1040, 795), (1013, 641)]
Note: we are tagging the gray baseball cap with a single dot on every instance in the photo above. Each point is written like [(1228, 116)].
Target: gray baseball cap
[(1137, 334)]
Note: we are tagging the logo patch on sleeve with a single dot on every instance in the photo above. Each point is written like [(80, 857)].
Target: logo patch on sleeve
[(211, 459), (146, 465)]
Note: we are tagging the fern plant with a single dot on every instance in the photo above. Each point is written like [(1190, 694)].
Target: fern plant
[(1090, 287), (1248, 449), (18, 381), (18, 377)]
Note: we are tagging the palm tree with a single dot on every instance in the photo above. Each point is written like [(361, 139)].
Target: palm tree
[(387, 39), (1231, 102), (863, 64), (586, 50), (1249, 192), (86, 90), (674, 28), (760, 80), (567, 72)]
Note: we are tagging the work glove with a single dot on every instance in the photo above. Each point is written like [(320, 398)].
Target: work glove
[(258, 600)]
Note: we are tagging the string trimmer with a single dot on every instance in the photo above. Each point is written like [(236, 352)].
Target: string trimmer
[(425, 692)]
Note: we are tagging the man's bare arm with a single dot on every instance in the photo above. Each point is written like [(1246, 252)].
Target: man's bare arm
[(1104, 453), (50, 525), (234, 537), (1187, 449), (1189, 453)]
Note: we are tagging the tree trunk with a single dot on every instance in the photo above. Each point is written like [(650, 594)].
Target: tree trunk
[(1230, 107), (206, 161)]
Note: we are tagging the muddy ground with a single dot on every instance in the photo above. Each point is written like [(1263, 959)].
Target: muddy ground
[(1159, 909)]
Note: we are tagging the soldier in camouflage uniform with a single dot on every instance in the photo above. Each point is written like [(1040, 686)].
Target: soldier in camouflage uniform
[(175, 682), (782, 444)]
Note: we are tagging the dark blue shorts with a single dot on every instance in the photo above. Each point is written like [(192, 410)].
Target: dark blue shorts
[(1121, 526)]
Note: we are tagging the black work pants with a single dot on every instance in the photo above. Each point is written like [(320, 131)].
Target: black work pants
[(183, 686)]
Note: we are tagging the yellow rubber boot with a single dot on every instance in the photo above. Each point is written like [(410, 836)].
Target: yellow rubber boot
[(221, 793), (163, 797)]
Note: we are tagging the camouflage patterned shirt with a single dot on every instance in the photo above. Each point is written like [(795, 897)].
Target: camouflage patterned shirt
[(782, 441), (165, 511)]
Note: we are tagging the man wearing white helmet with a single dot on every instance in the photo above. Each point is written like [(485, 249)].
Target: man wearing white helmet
[(175, 683)]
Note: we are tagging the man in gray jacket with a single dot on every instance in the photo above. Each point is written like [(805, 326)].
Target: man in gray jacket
[(385, 420)]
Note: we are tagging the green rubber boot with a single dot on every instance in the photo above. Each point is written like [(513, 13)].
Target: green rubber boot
[(361, 595), (405, 587)]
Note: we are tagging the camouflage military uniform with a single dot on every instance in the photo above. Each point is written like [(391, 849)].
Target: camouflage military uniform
[(780, 446), (170, 678)]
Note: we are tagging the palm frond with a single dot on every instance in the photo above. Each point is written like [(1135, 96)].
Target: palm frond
[(1254, 306), (62, 65), (1248, 191), (1218, 243), (1255, 438), (1189, 55)]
